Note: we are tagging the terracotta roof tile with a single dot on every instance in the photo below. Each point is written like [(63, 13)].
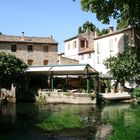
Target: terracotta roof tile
[(87, 50), (10, 38)]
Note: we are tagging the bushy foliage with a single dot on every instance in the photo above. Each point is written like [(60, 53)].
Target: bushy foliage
[(87, 25), (136, 94), (90, 26), (11, 69), (125, 66), (118, 9), (40, 99), (103, 32)]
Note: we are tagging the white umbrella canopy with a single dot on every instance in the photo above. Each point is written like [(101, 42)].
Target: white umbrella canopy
[(78, 69)]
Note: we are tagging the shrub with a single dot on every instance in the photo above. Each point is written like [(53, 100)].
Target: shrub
[(136, 94), (92, 96), (40, 98)]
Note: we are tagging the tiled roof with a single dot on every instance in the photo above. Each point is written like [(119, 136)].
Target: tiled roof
[(87, 50), (27, 39), (116, 32), (74, 37)]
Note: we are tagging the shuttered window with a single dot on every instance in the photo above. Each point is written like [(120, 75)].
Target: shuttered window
[(13, 47)]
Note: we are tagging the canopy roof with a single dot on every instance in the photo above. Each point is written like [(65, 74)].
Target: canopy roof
[(78, 69)]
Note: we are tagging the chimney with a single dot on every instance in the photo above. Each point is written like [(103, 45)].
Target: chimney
[(110, 29), (88, 31), (95, 34), (22, 35), (51, 37)]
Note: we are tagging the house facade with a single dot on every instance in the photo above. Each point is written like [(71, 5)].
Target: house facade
[(87, 56), (113, 43), (32, 50), (98, 48), (77, 44)]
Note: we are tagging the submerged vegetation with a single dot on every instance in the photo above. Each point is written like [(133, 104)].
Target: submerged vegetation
[(60, 121), (125, 124)]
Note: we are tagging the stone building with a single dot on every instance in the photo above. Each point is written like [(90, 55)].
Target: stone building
[(65, 60), (32, 50)]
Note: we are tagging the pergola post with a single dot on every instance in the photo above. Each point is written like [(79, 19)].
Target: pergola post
[(52, 82), (67, 83), (97, 90), (87, 81)]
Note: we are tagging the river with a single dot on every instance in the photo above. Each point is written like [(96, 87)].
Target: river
[(26, 121)]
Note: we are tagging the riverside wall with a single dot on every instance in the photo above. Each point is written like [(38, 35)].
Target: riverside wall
[(66, 97)]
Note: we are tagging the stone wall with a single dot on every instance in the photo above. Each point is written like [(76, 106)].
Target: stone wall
[(65, 97), (65, 60), (38, 55)]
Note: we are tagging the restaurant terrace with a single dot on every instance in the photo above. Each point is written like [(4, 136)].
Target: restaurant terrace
[(65, 72)]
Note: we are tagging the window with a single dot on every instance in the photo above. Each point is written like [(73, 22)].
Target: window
[(82, 56), (30, 48), (68, 46), (45, 62), (125, 41), (74, 44), (45, 48), (82, 43), (111, 45), (98, 60), (98, 48), (13, 47), (30, 62), (86, 44), (89, 55)]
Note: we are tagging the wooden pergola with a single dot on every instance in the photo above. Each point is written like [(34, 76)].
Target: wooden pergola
[(66, 70)]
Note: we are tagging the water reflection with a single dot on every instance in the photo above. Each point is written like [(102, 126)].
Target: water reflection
[(125, 120), (9, 110), (61, 122), (48, 122)]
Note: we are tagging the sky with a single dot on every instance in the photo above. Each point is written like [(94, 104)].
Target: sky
[(43, 18)]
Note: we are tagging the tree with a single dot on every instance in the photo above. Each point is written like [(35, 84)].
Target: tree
[(91, 27), (123, 21), (126, 66), (103, 31), (87, 25), (121, 24), (118, 9), (11, 69)]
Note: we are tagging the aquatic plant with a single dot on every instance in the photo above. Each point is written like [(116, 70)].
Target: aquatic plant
[(125, 124), (60, 121)]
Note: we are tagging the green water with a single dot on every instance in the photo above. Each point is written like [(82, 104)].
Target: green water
[(67, 122), (125, 121)]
